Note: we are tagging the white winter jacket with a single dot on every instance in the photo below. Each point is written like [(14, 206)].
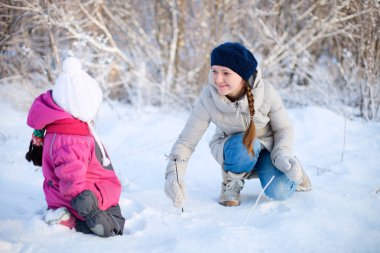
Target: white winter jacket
[(273, 127)]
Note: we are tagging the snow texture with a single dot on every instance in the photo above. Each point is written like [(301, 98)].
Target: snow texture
[(340, 214)]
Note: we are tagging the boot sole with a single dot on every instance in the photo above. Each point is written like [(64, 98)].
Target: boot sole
[(229, 203)]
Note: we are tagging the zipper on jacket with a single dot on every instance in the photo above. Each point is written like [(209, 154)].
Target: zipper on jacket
[(51, 147), (246, 122), (237, 109)]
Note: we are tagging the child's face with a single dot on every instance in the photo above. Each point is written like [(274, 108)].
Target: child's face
[(227, 82)]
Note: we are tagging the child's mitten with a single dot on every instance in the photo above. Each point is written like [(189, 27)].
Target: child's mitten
[(35, 148)]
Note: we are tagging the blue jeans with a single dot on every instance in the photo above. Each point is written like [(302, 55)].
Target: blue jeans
[(237, 160)]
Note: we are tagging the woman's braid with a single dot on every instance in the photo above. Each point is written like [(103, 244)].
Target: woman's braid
[(250, 133)]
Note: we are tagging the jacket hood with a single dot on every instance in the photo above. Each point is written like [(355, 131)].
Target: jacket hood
[(45, 111)]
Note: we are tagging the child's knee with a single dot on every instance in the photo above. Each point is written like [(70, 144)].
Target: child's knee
[(85, 203)]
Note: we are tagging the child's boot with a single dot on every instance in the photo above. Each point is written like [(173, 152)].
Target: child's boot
[(98, 221), (60, 216)]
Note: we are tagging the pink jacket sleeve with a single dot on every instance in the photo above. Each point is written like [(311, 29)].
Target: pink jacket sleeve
[(71, 163)]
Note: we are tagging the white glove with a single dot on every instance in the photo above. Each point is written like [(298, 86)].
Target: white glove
[(175, 189), (290, 166)]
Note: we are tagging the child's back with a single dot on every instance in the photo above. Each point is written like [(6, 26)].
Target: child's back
[(78, 173)]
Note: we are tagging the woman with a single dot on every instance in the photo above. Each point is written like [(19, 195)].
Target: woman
[(253, 138)]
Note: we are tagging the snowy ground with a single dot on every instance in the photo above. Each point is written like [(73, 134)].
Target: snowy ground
[(341, 214)]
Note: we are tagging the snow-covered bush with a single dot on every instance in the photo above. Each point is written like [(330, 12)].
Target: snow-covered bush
[(157, 52)]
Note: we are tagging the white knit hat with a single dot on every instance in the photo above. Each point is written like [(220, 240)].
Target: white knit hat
[(79, 94)]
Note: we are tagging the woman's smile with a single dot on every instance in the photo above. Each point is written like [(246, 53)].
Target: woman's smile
[(227, 82)]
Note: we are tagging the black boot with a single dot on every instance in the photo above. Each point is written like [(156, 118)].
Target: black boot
[(98, 221)]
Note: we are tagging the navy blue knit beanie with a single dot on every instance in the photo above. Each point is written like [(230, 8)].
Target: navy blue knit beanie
[(236, 57)]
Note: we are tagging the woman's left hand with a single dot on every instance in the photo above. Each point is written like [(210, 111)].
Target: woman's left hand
[(290, 166)]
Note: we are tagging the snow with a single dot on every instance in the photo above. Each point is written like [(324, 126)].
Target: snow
[(340, 214)]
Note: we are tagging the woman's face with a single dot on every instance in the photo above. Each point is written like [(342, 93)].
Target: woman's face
[(227, 82)]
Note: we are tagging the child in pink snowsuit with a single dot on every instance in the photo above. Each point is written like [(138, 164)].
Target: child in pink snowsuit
[(80, 186)]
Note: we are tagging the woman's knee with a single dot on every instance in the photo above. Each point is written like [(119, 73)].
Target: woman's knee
[(236, 157)]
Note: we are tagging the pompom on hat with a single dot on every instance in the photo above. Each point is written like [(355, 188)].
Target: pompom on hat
[(79, 94), (236, 57)]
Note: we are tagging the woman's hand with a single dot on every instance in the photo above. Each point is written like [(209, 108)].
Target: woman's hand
[(175, 189), (290, 166)]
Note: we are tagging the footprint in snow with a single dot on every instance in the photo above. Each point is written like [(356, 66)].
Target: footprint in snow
[(132, 212)]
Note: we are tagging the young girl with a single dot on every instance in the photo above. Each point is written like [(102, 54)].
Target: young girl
[(253, 138), (80, 185)]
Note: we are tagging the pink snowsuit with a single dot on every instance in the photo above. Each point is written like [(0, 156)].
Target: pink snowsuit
[(71, 163)]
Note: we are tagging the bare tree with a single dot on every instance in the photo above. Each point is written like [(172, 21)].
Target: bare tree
[(315, 52)]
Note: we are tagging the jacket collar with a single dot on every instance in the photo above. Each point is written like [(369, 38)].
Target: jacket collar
[(68, 126)]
